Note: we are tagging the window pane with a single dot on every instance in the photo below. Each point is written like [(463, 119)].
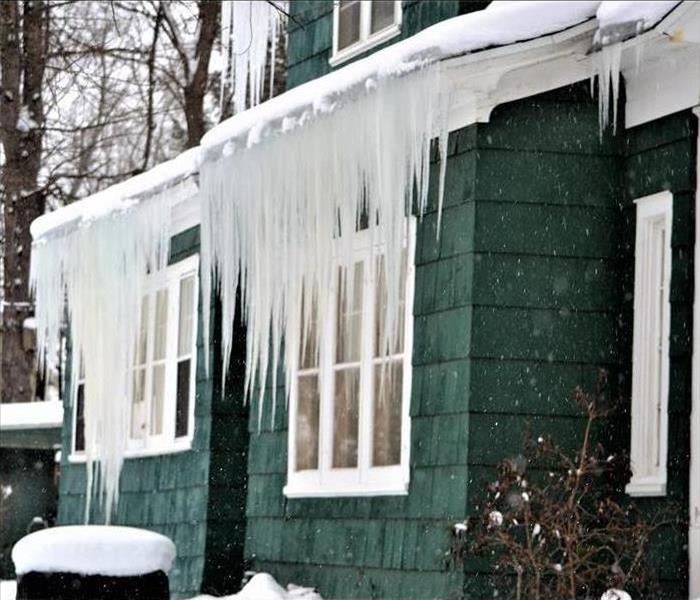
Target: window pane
[(143, 333), (380, 341), (138, 407), (348, 23), (345, 418), (388, 387), (80, 418), (307, 423), (158, 399), (161, 325), (186, 317), (182, 398), (308, 344), (349, 323), (382, 14)]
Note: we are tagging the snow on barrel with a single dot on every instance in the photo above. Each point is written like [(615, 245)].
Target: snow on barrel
[(93, 561)]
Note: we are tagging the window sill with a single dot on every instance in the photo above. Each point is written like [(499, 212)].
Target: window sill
[(80, 458), (357, 491), (646, 488), (363, 45)]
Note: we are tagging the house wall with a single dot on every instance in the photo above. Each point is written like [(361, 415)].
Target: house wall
[(661, 155), (516, 305), (545, 291), (181, 495)]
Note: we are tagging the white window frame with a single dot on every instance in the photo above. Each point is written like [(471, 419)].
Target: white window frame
[(364, 480), (165, 443), (650, 349), (367, 39)]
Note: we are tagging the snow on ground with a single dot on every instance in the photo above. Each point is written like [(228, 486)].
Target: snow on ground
[(263, 586), (94, 550), (8, 590)]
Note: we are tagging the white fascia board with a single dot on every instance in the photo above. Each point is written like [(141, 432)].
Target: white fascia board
[(476, 83), (31, 415), (661, 67)]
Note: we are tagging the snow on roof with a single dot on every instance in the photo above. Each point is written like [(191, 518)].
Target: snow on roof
[(120, 196), (94, 550), (616, 12), (499, 24), (31, 415)]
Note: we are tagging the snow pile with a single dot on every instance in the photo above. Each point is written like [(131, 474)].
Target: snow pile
[(263, 586), (274, 215), (94, 550), (89, 263), (246, 30), (613, 594)]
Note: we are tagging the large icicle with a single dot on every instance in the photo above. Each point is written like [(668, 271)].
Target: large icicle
[(99, 269), (89, 262), (273, 205), (606, 67), (247, 28)]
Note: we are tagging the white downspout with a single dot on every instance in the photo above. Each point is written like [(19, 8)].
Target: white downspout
[(694, 528)]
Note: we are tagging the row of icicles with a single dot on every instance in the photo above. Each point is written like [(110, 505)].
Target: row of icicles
[(271, 233)]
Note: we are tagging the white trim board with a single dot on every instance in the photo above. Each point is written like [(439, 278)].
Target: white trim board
[(650, 347)]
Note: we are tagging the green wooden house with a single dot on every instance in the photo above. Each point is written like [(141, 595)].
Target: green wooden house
[(562, 248)]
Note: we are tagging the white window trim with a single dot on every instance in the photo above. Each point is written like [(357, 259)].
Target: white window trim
[(364, 480), (650, 385), (166, 443), (367, 40)]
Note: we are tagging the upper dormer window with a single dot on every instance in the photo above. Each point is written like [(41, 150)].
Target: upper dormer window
[(359, 25)]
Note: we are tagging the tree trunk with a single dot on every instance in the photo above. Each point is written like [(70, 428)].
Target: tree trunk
[(23, 49), (196, 86)]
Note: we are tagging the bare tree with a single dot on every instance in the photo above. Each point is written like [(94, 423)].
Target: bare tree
[(24, 32), (91, 94), (195, 68)]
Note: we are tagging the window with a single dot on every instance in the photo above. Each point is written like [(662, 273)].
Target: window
[(79, 414), (359, 25), (650, 352), (349, 402), (163, 376)]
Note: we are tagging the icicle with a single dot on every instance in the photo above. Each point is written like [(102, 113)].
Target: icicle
[(97, 271), (247, 29), (273, 207), (606, 65)]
